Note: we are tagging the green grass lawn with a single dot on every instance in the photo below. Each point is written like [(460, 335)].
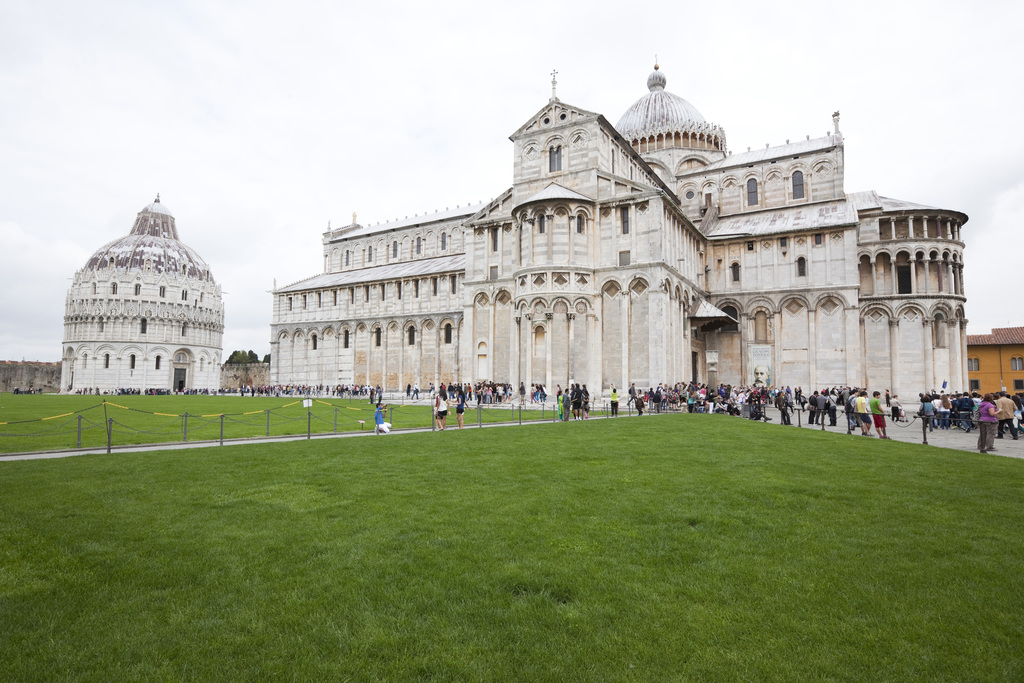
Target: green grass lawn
[(51, 422), (675, 548)]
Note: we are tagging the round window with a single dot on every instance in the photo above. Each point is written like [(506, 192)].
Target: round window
[(547, 120), (689, 195), (561, 117)]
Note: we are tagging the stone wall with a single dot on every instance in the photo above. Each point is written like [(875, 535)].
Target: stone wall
[(29, 375), (251, 374)]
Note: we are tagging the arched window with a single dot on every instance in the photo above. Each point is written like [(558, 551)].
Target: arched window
[(751, 192), (447, 333), (798, 185), (131, 362), (113, 288), (142, 326), (940, 330), (419, 245), (540, 224), (555, 159), (761, 327), (735, 272), (801, 267), (138, 289), (348, 257), (394, 249), (1017, 364), (184, 329), (101, 325), (973, 364), (344, 338), (369, 254), (579, 224), (444, 241), (732, 312), (106, 360), (314, 340), (163, 292), (412, 336), (184, 295), (157, 367), (376, 334)]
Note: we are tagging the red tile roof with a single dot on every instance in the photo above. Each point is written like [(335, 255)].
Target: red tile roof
[(1000, 335)]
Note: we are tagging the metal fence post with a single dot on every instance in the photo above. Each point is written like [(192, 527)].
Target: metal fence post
[(268, 422), (79, 431), (110, 430), (924, 429), (520, 415), (309, 423), (184, 430), (222, 429), (335, 420), (798, 411), (479, 416)]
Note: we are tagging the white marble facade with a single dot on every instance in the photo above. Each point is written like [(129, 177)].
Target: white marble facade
[(642, 252), (144, 313)]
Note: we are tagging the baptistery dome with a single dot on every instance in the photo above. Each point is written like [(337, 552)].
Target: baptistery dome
[(152, 244), (144, 314), (661, 120)]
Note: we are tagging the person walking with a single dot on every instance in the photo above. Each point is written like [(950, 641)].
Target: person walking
[(441, 407), (988, 418), (878, 414), (782, 404), (460, 406), (1005, 407)]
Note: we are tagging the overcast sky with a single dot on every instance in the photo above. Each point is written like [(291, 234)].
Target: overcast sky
[(260, 122)]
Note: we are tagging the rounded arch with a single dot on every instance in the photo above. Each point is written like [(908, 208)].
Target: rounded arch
[(910, 310), (763, 303), (481, 299), (837, 297), (611, 287), (799, 299), (560, 305), (283, 336), (639, 284), (941, 309), (879, 308), (503, 297), (538, 305)]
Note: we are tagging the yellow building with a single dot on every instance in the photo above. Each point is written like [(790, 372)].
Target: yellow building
[(995, 362)]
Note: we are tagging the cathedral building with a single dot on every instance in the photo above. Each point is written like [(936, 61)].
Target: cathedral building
[(642, 252), (144, 313)]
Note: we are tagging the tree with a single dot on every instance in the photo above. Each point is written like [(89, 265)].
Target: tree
[(239, 357), (253, 358), (266, 359)]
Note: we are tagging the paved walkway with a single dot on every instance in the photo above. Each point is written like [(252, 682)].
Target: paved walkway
[(908, 431)]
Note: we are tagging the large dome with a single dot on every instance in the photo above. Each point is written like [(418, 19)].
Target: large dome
[(152, 244), (659, 112)]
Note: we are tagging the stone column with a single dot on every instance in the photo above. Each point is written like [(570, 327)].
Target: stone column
[(894, 356), (570, 361), (547, 348), (874, 277), (929, 355), (892, 272), (913, 276), (515, 362), (812, 343), (927, 276)]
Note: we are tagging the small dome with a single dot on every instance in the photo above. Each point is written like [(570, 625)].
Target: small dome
[(659, 111)]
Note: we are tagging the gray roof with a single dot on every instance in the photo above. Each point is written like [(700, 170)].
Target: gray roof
[(758, 155), (790, 219), (556, 191), (356, 230), (865, 201), (391, 271)]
